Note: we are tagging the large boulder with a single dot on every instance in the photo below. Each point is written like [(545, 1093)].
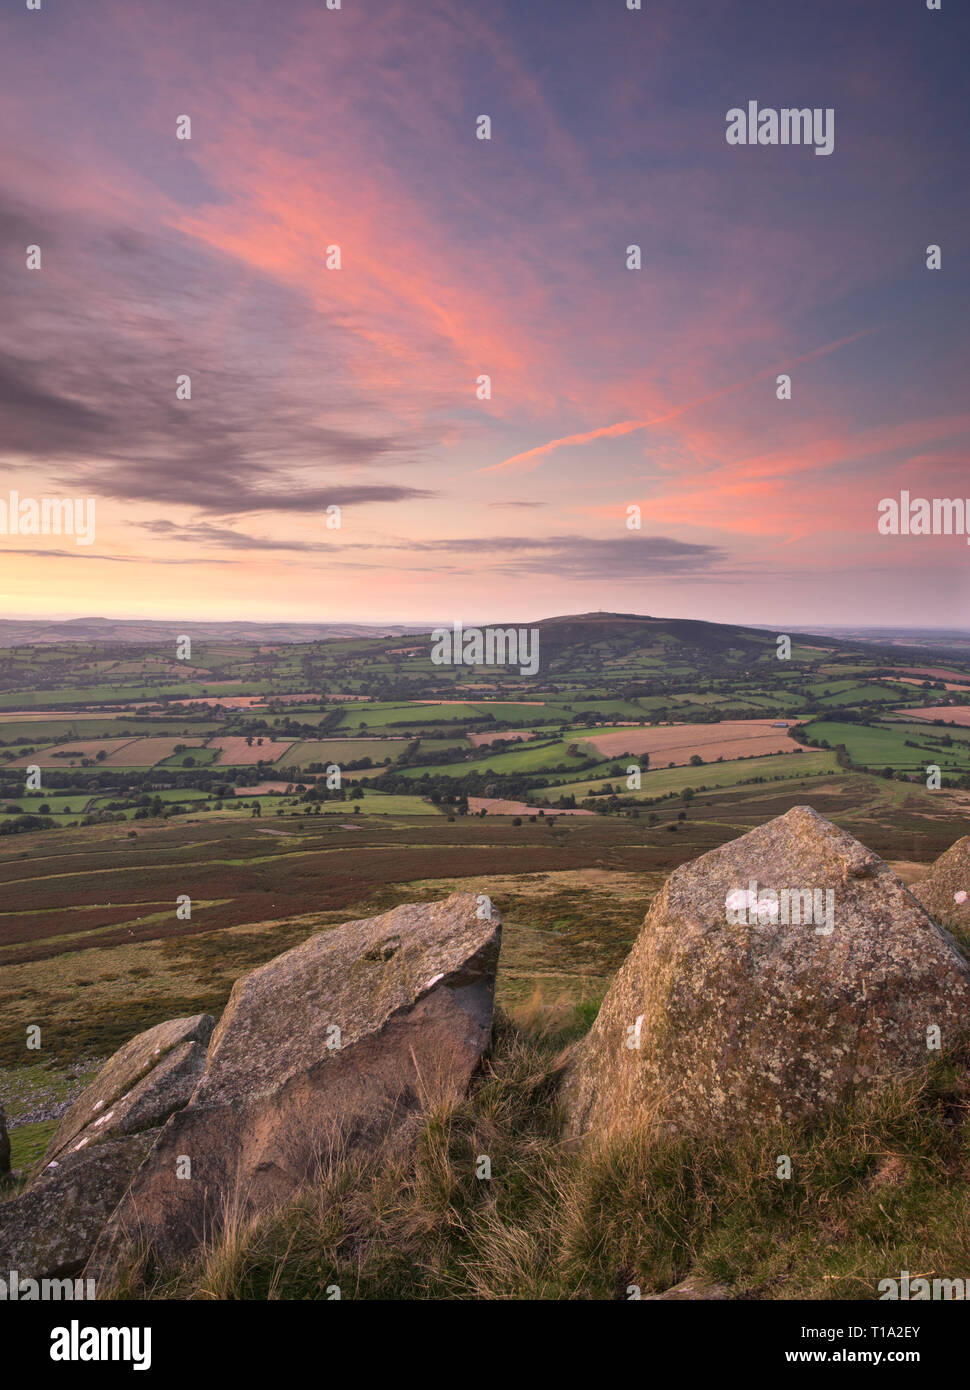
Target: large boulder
[(50, 1228), (725, 1014), (325, 1051), (945, 890)]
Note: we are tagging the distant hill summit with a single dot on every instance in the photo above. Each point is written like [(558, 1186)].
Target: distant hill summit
[(616, 635)]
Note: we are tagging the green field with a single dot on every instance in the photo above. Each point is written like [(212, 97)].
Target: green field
[(926, 731), (342, 750), (379, 804), (58, 803), (846, 693), (37, 731), (111, 694), (886, 746), (524, 759), (380, 716), (194, 757), (728, 774)]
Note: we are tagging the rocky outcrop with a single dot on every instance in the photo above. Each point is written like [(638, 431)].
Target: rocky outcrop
[(145, 1081), (49, 1230), (731, 1010), (51, 1227), (325, 1051), (945, 890)]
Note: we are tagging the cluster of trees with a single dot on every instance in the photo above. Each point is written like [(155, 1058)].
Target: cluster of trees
[(16, 824)]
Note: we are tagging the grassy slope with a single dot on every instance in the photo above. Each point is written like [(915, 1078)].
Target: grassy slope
[(874, 1190)]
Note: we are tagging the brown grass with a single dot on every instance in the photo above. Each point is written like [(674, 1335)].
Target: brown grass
[(874, 1189)]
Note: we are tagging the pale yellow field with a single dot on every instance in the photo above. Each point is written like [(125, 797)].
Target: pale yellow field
[(677, 743), (235, 750), (952, 714)]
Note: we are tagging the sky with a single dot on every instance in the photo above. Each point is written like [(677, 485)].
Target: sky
[(359, 387)]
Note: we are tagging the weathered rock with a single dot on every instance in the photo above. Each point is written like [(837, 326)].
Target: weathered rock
[(411, 993), (51, 1227), (740, 1024), (49, 1230), (4, 1145), (945, 890), (145, 1081)]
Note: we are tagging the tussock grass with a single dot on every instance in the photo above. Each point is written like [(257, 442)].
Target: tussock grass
[(876, 1188)]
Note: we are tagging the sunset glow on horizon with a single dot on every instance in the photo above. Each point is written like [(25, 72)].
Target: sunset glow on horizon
[(463, 258)]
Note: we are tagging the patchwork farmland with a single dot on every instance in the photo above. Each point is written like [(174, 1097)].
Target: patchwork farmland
[(244, 733)]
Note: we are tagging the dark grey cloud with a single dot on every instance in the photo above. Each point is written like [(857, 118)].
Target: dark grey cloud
[(518, 504), (572, 556), (577, 556), (39, 419), (204, 533), (91, 346), (92, 553)]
